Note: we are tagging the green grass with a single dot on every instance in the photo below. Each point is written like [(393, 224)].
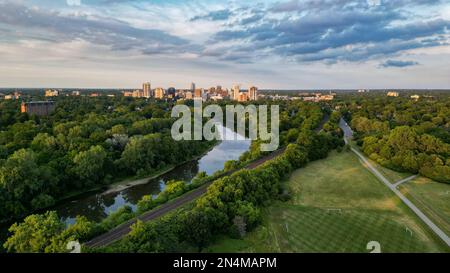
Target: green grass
[(433, 198), (391, 175), (337, 206)]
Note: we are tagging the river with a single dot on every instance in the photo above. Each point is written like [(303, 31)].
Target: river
[(97, 206)]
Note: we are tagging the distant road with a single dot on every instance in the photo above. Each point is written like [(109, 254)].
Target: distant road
[(348, 134), (122, 230)]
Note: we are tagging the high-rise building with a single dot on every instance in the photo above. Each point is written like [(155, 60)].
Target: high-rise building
[(171, 92), (159, 93), (147, 90), (192, 87), (253, 93), (198, 93), (236, 92)]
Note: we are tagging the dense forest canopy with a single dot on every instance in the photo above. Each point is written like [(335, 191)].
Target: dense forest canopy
[(403, 134), (86, 142)]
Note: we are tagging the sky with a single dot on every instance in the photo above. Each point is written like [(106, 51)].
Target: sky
[(273, 44)]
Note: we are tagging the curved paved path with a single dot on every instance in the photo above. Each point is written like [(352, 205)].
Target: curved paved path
[(348, 133)]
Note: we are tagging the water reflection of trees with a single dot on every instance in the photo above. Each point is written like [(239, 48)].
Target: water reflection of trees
[(95, 207)]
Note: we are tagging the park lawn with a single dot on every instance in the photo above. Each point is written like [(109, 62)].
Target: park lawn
[(391, 175), (337, 206), (432, 197)]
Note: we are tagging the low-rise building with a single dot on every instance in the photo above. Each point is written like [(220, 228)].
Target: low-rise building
[(15, 96), (392, 94), (39, 108), (415, 97), (51, 93)]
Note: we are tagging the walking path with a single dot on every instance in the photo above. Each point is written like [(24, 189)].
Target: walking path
[(393, 187), (398, 183)]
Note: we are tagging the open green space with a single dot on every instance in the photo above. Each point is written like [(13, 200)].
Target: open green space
[(432, 198), (391, 175), (337, 206)]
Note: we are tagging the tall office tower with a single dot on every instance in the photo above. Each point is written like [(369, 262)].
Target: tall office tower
[(253, 93), (147, 90), (192, 87), (171, 91), (236, 92), (159, 93), (198, 93)]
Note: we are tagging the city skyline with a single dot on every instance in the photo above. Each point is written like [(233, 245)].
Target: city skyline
[(340, 44)]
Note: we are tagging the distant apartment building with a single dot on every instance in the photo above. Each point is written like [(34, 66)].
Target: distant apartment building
[(15, 96), (326, 98), (159, 93), (171, 92), (243, 97), (127, 93), (192, 87), (236, 90), (51, 93), (198, 93), (138, 93), (392, 94), (76, 93), (253, 93), (2, 96), (147, 90), (39, 108), (319, 97), (94, 95)]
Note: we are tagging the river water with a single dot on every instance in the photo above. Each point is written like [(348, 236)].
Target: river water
[(97, 206)]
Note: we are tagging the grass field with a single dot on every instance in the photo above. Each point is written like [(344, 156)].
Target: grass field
[(337, 206), (391, 175), (432, 198)]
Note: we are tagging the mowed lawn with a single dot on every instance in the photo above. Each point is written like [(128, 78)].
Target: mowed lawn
[(337, 206), (432, 198)]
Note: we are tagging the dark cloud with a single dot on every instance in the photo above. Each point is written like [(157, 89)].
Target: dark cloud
[(398, 63), (338, 30), (218, 15)]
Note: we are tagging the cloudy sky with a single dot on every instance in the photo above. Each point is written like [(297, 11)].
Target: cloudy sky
[(304, 44)]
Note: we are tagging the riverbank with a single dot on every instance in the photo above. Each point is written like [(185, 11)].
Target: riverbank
[(131, 182), (117, 186)]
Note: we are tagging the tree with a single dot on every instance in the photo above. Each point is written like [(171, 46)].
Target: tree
[(197, 228), (34, 234), (89, 165), (20, 175), (42, 201)]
